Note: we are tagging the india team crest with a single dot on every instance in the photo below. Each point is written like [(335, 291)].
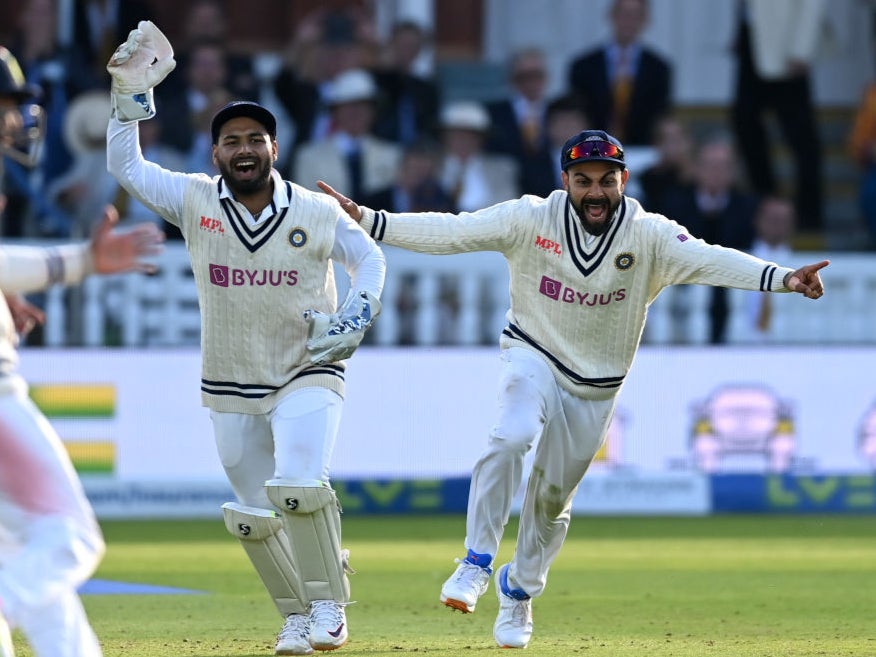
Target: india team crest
[(298, 237), (624, 261)]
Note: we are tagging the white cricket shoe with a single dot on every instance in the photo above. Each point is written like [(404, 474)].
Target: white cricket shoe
[(513, 627), (294, 638), (468, 583), (328, 625)]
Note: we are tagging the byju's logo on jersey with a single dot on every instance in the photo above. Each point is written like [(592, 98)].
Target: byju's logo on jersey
[(555, 289), (548, 245), (211, 225), (550, 287), (225, 276)]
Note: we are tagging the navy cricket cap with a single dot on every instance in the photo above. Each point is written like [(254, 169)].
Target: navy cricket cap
[(246, 108), (592, 146)]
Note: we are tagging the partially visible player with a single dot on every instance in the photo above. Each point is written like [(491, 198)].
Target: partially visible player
[(576, 318), (274, 341), (50, 542)]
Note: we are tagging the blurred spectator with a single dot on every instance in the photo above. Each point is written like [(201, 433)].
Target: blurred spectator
[(540, 173), (674, 166), (99, 26), (862, 149), (417, 188), (775, 45), (624, 85), (774, 224), (408, 102), (351, 159), (185, 125), (716, 210), (207, 21), (86, 188), (518, 121), (325, 44), (474, 177), (61, 73)]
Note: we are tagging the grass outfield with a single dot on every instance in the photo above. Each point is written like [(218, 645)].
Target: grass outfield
[(727, 586)]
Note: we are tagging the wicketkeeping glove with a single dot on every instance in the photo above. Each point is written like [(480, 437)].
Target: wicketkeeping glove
[(335, 337), (138, 65)]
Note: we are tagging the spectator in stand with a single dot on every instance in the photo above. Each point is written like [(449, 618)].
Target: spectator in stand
[(474, 177), (862, 149), (86, 187), (624, 85), (351, 156), (100, 25), (417, 188), (776, 43), (518, 122), (775, 222), (206, 21), (541, 173), (674, 167), (409, 102), (188, 113), (325, 44), (714, 209), (61, 73)]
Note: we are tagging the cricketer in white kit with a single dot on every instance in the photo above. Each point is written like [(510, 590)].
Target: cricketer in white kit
[(274, 342), (50, 541), (585, 263)]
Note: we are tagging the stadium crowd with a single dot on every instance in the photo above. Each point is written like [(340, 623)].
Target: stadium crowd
[(365, 117)]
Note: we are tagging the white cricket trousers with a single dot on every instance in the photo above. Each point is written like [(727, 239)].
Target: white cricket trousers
[(294, 440), (50, 541), (569, 430)]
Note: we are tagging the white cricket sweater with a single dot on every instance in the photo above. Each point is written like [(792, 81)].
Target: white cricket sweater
[(582, 308), (28, 269), (254, 281)]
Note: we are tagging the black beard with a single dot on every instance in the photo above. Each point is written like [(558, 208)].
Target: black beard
[(247, 187), (582, 217)]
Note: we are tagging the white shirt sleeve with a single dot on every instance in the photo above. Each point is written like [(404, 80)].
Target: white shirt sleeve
[(360, 256), (160, 190), (31, 268)]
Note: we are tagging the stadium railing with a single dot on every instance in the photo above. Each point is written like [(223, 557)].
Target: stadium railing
[(459, 300)]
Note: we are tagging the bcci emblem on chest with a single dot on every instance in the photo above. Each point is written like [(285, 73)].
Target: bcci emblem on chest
[(297, 237)]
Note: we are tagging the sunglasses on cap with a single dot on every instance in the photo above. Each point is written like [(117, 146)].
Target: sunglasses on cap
[(594, 149)]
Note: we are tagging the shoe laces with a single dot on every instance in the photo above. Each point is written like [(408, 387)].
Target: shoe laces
[(520, 612), (296, 626), (327, 613), (469, 574)]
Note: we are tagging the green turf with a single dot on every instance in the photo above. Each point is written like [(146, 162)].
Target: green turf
[(681, 587)]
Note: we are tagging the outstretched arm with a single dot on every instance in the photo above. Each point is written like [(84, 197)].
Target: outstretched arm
[(806, 280), (31, 268), (347, 205)]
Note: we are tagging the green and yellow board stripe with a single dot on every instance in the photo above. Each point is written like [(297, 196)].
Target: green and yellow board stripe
[(92, 457), (79, 400)]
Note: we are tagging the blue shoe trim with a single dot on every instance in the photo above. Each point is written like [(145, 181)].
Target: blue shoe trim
[(516, 594), (482, 560)]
